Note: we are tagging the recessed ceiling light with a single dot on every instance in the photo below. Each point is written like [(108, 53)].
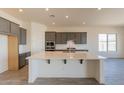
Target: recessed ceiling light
[(99, 8), (20, 10), (53, 23), (47, 9), (66, 17), (84, 23)]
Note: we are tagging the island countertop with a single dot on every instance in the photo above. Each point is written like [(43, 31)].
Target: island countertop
[(65, 55)]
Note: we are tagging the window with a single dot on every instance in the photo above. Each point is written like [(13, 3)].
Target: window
[(107, 42)]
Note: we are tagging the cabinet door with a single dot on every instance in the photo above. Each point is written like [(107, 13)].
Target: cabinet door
[(14, 28), (84, 38), (63, 38), (78, 38), (27, 55), (67, 36), (50, 36), (22, 60), (58, 38), (71, 36), (4, 26), (22, 36)]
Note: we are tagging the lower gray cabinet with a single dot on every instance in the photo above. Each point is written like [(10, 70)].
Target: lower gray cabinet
[(22, 36), (22, 59)]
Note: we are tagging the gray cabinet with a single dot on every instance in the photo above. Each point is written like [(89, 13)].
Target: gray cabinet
[(14, 28), (71, 36), (22, 36), (83, 38), (8, 28), (63, 38), (67, 36), (77, 37), (58, 38), (50, 36), (4, 26), (22, 59)]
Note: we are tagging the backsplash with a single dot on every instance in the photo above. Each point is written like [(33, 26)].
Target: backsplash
[(23, 49)]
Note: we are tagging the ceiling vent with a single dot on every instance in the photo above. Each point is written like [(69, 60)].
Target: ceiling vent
[(52, 16)]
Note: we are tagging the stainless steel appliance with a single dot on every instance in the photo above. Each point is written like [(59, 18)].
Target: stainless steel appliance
[(50, 45)]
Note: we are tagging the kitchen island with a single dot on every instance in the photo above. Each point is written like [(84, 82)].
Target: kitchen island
[(59, 64)]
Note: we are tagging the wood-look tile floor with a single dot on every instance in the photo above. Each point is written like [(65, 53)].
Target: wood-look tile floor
[(21, 77), (114, 75), (14, 77)]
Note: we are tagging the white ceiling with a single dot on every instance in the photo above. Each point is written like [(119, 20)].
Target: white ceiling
[(91, 16)]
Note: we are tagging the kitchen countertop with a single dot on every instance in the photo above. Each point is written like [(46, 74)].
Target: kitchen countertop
[(65, 55)]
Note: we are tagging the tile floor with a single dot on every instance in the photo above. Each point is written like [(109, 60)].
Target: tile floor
[(114, 72)]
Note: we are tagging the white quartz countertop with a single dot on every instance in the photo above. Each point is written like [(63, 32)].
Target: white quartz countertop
[(64, 55)]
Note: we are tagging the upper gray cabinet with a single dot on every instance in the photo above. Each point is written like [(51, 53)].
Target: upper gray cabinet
[(10, 28), (71, 36), (58, 38), (22, 36), (83, 38), (4, 26), (77, 38), (63, 37), (14, 28), (50, 36)]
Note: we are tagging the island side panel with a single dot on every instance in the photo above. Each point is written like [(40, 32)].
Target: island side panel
[(100, 71), (32, 70), (57, 68), (102, 77)]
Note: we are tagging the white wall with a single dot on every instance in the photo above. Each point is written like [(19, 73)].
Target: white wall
[(37, 37), (92, 38), (3, 53)]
